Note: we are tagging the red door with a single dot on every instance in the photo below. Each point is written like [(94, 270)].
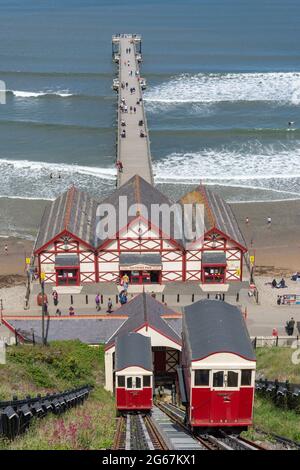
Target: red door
[(224, 400), (67, 276)]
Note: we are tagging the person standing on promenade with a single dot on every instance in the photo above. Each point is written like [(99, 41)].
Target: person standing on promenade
[(97, 301), (109, 306), (55, 297)]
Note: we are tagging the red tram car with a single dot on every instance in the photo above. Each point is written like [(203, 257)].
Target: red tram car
[(133, 373), (217, 377)]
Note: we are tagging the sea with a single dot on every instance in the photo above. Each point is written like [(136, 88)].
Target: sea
[(223, 83)]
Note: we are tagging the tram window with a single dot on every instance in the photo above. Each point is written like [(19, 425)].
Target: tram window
[(218, 379), (232, 378), (129, 382), (146, 381), (138, 382), (246, 377), (201, 378), (121, 381)]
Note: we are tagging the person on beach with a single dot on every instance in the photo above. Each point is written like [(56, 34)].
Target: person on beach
[(269, 221), (247, 220), (58, 312), (6, 249), (278, 299), (97, 301), (71, 311), (134, 109), (274, 283)]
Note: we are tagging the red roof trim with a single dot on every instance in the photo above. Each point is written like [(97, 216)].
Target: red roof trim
[(220, 352), (59, 235), (134, 365)]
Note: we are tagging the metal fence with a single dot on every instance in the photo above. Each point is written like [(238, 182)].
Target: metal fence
[(282, 394), (277, 341), (16, 415)]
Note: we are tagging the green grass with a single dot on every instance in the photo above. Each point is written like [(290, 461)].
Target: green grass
[(270, 418), (60, 366), (276, 363)]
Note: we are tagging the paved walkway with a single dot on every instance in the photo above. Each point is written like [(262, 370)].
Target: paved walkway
[(133, 150)]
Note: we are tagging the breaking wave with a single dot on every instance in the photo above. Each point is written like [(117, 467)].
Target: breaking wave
[(209, 88)]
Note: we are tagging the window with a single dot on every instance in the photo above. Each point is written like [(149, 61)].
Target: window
[(129, 382), (146, 381), (121, 381), (138, 382), (218, 379), (201, 378), (246, 377), (232, 378)]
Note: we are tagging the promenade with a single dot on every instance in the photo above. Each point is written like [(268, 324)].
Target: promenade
[(133, 148)]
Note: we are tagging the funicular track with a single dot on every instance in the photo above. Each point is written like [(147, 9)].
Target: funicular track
[(138, 432), (222, 441)]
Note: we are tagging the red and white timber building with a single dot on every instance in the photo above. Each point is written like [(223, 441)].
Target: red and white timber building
[(70, 249)]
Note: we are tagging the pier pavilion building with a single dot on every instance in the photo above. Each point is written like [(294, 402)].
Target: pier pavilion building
[(70, 250)]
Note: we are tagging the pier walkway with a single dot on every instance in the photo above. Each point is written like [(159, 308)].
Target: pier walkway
[(133, 147)]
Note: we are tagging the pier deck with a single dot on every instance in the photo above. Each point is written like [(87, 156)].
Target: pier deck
[(133, 150)]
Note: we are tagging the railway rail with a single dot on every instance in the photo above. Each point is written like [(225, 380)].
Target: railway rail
[(138, 432), (223, 441)]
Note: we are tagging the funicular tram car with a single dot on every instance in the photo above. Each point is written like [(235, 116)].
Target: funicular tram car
[(217, 374), (133, 373)]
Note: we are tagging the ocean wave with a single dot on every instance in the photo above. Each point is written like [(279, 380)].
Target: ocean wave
[(213, 88), (57, 94), (26, 179), (251, 165), (38, 94)]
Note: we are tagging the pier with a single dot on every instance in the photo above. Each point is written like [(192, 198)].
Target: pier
[(133, 144)]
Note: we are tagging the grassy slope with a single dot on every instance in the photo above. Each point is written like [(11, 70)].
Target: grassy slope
[(62, 365), (276, 363)]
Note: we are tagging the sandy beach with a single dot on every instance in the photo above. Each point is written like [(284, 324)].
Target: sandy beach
[(276, 247), (12, 264)]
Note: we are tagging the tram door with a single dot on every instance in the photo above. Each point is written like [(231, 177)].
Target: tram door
[(133, 395), (225, 396)]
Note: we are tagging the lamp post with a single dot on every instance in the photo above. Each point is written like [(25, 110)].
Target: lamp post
[(1, 310), (42, 278)]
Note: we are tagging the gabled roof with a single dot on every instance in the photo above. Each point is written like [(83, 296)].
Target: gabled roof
[(87, 330), (144, 310), (213, 326), (133, 349), (140, 196), (217, 212), (73, 211)]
